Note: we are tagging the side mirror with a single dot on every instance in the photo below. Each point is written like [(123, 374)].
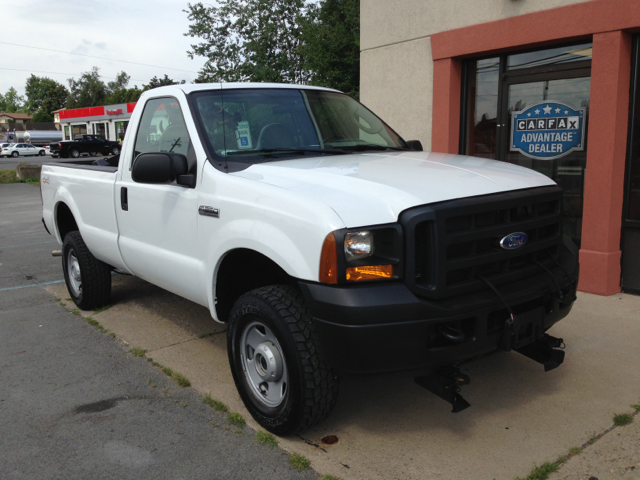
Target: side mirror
[(415, 145), (158, 167)]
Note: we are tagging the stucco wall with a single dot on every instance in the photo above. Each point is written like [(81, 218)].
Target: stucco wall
[(396, 67)]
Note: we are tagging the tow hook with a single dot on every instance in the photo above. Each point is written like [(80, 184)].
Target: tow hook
[(446, 384), (545, 351)]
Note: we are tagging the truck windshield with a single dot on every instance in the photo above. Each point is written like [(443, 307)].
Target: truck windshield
[(254, 125)]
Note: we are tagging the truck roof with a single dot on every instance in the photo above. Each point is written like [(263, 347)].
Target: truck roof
[(188, 88)]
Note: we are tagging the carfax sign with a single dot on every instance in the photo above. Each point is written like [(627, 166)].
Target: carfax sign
[(547, 130)]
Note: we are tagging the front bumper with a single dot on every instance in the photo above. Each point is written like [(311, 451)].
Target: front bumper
[(378, 328)]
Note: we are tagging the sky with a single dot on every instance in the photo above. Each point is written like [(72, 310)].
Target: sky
[(142, 37)]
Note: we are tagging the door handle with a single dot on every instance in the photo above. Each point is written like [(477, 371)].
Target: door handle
[(124, 201)]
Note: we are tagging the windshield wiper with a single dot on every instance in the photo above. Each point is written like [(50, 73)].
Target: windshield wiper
[(370, 146), (275, 151)]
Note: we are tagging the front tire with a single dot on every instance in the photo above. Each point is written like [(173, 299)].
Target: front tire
[(277, 362), (88, 279)]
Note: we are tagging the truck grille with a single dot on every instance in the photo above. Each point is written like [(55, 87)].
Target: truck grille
[(450, 245)]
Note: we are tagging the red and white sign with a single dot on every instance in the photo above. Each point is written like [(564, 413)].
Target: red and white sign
[(114, 112)]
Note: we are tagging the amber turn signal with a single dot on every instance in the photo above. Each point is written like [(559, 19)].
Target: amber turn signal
[(379, 272), (329, 260)]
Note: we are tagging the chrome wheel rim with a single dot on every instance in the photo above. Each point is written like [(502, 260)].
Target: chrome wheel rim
[(264, 365), (73, 270)]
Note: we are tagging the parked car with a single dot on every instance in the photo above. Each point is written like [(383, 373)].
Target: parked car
[(89, 144), (22, 150), (327, 243)]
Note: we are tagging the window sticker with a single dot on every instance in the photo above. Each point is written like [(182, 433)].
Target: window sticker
[(243, 135)]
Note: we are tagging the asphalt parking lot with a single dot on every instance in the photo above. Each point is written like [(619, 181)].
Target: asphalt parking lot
[(11, 162), (387, 428)]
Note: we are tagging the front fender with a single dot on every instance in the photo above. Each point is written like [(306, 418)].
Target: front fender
[(268, 240)]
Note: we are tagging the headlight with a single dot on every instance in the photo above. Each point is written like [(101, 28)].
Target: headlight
[(358, 245), (373, 253)]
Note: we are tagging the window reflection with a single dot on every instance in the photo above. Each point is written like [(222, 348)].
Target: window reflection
[(483, 107), (550, 56)]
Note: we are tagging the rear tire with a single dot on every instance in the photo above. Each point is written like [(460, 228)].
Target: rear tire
[(41, 153), (14, 154), (74, 153), (277, 362), (115, 150), (88, 279)]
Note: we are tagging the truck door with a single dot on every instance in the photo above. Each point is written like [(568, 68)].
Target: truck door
[(158, 222)]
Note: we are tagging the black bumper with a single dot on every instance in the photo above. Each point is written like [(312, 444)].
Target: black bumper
[(377, 328)]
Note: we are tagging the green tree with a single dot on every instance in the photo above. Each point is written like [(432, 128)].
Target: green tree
[(120, 83), (123, 95), (158, 82), (249, 40), (88, 91), (331, 45), (43, 97), (11, 102)]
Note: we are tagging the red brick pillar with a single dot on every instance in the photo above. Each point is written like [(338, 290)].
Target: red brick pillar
[(445, 128), (606, 155)]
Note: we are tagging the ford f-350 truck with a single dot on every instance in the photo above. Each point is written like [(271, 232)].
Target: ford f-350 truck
[(327, 243)]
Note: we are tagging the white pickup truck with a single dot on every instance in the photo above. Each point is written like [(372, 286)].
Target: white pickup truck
[(327, 243)]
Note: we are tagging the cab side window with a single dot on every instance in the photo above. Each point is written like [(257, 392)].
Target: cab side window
[(162, 128)]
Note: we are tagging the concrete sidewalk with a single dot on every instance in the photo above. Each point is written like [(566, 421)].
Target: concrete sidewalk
[(390, 428)]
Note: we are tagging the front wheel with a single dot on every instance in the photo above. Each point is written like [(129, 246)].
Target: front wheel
[(88, 279), (277, 361)]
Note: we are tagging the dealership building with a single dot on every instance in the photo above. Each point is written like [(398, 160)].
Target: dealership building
[(110, 121), (551, 85)]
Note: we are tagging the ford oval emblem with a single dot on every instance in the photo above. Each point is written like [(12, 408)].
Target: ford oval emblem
[(514, 240)]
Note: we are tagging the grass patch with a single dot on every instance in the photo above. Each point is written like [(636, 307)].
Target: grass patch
[(330, 477), (542, 472), (575, 451), (636, 407), (265, 438), (238, 431), (75, 312), (11, 176), (95, 324), (622, 419), (215, 404), (138, 352), (236, 419), (102, 309), (166, 370), (180, 379), (299, 462)]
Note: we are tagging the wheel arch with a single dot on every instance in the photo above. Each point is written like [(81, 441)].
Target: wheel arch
[(242, 270), (65, 220)]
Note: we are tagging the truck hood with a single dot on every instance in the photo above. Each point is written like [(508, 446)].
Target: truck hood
[(373, 188)]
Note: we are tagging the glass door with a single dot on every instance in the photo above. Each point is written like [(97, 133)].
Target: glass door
[(549, 97), (630, 244), (532, 109)]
